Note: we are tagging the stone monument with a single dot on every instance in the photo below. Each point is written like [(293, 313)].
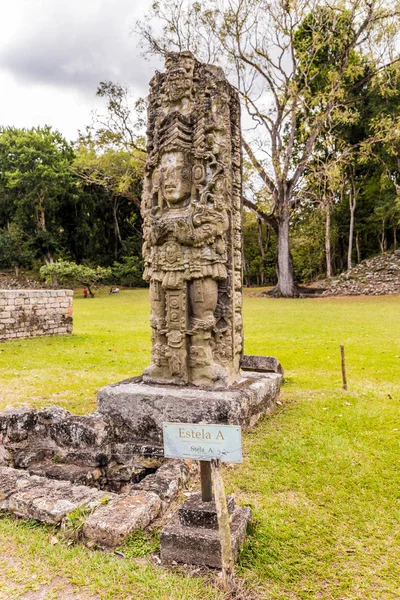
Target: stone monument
[(192, 230), (191, 212)]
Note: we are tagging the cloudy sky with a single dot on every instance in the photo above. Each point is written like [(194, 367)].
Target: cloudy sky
[(54, 53)]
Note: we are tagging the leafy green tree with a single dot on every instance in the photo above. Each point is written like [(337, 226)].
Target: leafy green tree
[(119, 126), (119, 173), (129, 271), (14, 252), (110, 156), (69, 273), (35, 181)]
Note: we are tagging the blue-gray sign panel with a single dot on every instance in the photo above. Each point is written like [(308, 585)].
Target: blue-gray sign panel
[(203, 442)]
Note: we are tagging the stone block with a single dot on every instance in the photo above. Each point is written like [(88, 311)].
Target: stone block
[(120, 475), (122, 451), (27, 454), (79, 431), (196, 513), (112, 523), (136, 410), (6, 459), (33, 497), (10, 481), (263, 364), (16, 423), (77, 474), (168, 480)]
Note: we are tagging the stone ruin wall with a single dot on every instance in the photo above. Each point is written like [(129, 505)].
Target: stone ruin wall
[(28, 313)]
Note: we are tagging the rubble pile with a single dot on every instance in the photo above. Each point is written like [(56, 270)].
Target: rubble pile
[(22, 281), (372, 277)]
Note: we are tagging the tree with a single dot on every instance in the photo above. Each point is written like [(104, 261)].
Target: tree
[(111, 152), (14, 252), (120, 126), (129, 272), (291, 63), (69, 273), (118, 172), (35, 180)]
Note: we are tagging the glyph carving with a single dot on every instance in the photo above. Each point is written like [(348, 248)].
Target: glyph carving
[(191, 212)]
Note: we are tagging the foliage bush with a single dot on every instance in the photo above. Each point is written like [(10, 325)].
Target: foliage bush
[(128, 272), (69, 273)]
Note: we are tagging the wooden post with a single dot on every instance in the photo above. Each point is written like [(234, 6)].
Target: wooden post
[(343, 368), (205, 478), (223, 524)]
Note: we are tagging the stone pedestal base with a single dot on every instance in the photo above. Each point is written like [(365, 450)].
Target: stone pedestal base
[(192, 535), (136, 410)]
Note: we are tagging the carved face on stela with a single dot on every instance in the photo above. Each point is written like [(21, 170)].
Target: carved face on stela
[(176, 178)]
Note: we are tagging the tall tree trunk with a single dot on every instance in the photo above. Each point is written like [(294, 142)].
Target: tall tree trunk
[(41, 225), (358, 248), (328, 250), (353, 203), (394, 237), (286, 286), (268, 237), (262, 250), (48, 258), (382, 239), (117, 232)]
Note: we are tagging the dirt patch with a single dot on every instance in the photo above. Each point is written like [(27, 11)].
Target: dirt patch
[(17, 585)]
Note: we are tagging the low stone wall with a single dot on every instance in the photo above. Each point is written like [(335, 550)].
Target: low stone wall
[(27, 313), (53, 462)]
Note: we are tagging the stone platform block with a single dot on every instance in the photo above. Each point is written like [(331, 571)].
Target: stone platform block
[(262, 364), (137, 410), (201, 545), (111, 524)]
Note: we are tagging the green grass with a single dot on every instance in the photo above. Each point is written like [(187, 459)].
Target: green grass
[(321, 474)]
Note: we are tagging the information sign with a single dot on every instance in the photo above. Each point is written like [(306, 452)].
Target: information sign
[(203, 442)]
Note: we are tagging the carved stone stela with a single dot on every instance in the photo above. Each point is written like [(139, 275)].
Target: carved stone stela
[(192, 221)]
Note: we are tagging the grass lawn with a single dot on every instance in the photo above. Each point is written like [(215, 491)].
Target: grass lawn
[(321, 474)]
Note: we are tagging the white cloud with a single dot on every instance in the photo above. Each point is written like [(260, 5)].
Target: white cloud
[(54, 53)]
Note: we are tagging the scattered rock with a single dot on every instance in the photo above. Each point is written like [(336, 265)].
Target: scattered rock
[(10, 281), (168, 480)]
